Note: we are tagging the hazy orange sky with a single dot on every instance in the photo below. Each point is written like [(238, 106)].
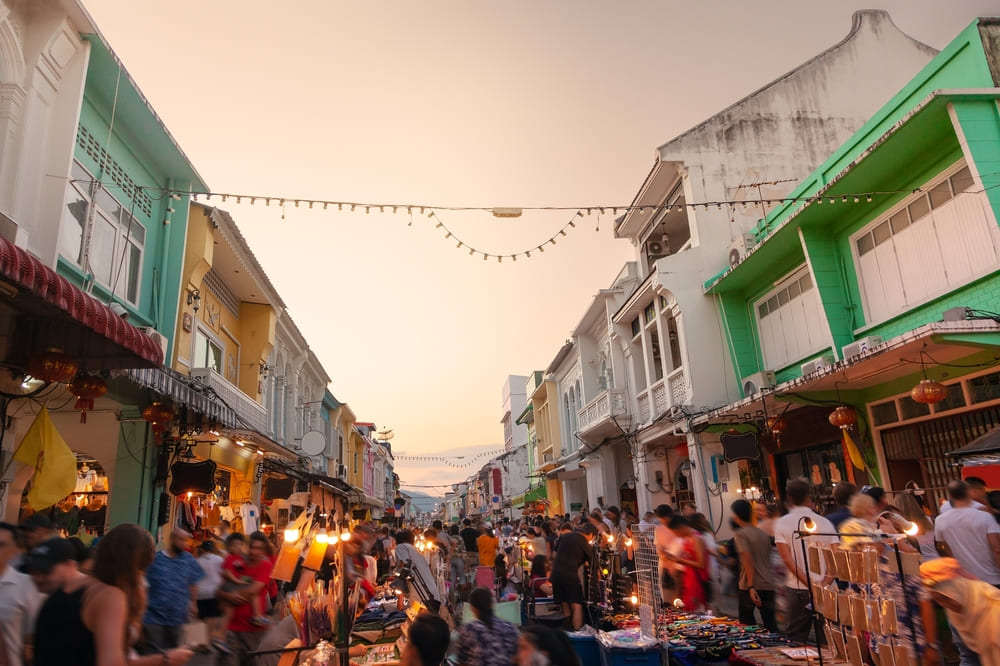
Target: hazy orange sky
[(452, 102)]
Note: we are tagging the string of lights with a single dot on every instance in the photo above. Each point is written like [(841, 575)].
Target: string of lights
[(448, 460)]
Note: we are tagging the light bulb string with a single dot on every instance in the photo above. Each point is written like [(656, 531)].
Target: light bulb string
[(540, 247)]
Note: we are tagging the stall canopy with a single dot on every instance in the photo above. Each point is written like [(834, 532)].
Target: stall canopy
[(981, 457)]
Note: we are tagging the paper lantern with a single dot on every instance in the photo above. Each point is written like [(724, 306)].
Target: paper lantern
[(681, 450), (929, 392), (158, 415), (52, 366), (87, 388), (844, 416), (777, 425)]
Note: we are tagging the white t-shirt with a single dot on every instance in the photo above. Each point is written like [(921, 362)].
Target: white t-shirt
[(784, 532), (664, 540), (211, 564), (946, 506), (965, 530), (251, 518), (19, 604)]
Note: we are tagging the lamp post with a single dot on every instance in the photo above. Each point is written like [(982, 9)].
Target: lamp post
[(807, 526)]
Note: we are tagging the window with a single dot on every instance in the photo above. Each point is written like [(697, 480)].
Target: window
[(937, 240), (791, 322), (207, 352), (116, 238)]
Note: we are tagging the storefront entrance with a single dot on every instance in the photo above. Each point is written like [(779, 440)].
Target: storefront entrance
[(82, 513), (822, 466)]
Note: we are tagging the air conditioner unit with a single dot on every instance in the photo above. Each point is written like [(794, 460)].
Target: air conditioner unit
[(656, 249), (158, 338), (817, 364), (757, 382), (739, 248), (860, 347)]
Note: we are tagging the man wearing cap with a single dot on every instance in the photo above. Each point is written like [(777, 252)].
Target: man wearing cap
[(172, 591), (19, 600), (37, 529)]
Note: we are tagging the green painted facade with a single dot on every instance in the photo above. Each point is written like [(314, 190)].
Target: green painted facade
[(122, 143), (907, 143)]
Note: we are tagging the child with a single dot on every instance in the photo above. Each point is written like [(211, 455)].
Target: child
[(233, 579)]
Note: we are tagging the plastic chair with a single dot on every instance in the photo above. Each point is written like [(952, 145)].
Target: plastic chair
[(485, 577)]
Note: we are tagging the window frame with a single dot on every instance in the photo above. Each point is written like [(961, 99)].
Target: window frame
[(784, 286)]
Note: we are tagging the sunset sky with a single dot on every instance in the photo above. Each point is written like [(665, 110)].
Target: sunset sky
[(452, 103)]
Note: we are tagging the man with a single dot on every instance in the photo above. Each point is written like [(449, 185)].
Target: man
[(977, 495), (969, 535), (171, 593), (408, 556), (469, 535), (224, 530), (37, 529), (427, 641), (879, 495), (506, 529), (487, 546), (841, 494), (19, 601), (667, 547), (244, 634), (800, 616), (757, 581), (573, 552), (442, 541)]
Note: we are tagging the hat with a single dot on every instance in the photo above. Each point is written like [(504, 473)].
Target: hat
[(36, 521), (489, 525), (48, 554)]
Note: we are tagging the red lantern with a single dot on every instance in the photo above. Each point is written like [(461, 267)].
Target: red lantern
[(777, 425), (929, 392), (843, 417), (52, 366), (681, 450), (87, 388), (158, 415)]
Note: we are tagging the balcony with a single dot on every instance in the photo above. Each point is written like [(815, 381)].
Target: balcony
[(597, 419), (672, 391), (249, 411)]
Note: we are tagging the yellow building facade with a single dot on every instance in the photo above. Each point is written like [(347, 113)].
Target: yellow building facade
[(545, 404)]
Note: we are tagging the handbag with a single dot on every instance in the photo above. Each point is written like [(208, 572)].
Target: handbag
[(194, 633)]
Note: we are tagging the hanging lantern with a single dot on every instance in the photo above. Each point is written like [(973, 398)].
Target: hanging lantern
[(158, 415), (929, 392), (52, 365), (681, 450), (87, 388), (777, 425), (843, 417)]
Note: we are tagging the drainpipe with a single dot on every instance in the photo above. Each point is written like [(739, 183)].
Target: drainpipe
[(164, 254)]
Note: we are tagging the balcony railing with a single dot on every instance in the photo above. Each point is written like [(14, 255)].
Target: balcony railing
[(249, 410), (670, 392), (601, 410)]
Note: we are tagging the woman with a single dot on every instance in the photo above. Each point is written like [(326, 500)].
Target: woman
[(701, 525), (537, 543), (911, 509), (487, 640), (973, 606), (95, 620), (692, 556), (863, 511), (539, 645), (540, 584)]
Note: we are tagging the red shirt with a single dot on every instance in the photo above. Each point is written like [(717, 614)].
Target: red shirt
[(258, 573)]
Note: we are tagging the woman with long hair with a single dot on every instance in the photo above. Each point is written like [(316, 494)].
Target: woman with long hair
[(695, 562), (911, 509), (94, 620), (487, 640), (541, 586)]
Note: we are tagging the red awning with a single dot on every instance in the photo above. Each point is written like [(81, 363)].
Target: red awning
[(49, 311)]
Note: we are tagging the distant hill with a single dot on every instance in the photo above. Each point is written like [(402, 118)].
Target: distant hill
[(422, 500)]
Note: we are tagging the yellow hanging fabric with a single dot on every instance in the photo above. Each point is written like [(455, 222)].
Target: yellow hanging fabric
[(852, 451), (55, 465)]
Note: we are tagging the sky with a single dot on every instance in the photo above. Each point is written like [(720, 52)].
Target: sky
[(476, 103)]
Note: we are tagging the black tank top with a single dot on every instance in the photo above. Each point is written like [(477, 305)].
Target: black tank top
[(61, 638)]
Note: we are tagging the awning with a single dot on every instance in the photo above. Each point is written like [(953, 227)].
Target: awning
[(988, 443), (57, 314)]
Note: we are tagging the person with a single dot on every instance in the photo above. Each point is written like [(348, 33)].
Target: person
[(487, 545), (969, 535), (692, 556), (667, 546), (689, 509), (613, 519), (573, 552), (224, 529), (879, 495), (486, 640), (703, 530), (539, 645), (441, 540), (540, 584), (244, 635), (977, 495), (537, 543), (93, 620), (756, 579), (469, 535), (19, 602), (208, 605), (456, 573), (506, 529), (861, 524), (797, 610), (911, 508), (767, 516), (427, 641), (171, 577), (407, 555), (972, 606), (841, 494), (37, 529), (382, 550)]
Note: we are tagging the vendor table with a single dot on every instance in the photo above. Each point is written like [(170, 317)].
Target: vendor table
[(774, 656)]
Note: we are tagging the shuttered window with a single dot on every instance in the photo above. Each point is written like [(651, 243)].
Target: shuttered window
[(790, 322), (937, 240)]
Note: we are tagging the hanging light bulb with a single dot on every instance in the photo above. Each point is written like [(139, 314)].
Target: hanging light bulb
[(634, 599), (291, 535), (322, 537), (345, 535)]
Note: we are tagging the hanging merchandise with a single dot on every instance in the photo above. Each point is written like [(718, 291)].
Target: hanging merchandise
[(196, 477), (251, 517)]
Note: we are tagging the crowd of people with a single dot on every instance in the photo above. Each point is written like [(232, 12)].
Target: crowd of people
[(122, 601)]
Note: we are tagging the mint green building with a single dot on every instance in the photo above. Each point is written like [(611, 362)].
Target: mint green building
[(882, 271)]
